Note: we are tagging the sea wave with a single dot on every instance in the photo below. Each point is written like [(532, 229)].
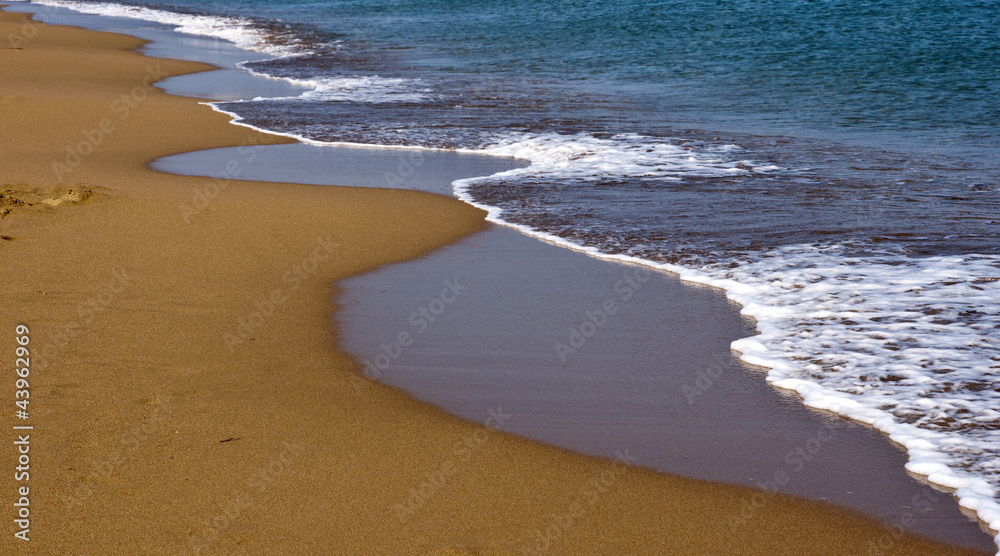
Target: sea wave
[(904, 344), (354, 88), (246, 34)]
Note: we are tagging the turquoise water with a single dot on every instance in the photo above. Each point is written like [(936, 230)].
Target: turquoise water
[(865, 68)]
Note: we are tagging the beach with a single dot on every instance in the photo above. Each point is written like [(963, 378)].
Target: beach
[(187, 390)]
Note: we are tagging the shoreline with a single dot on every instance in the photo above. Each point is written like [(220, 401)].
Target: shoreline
[(674, 412), (146, 414)]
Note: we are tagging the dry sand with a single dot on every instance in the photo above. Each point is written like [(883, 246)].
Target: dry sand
[(186, 391)]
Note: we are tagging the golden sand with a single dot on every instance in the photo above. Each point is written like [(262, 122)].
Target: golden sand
[(187, 391)]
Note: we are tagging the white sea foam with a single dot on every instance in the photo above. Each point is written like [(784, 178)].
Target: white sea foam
[(359, 88), (585, 157), (241, 32), (907, 345), (365, 89), (247, 35)]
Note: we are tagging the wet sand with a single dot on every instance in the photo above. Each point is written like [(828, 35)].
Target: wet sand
[(606, 358)]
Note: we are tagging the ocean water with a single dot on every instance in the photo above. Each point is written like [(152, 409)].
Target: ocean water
[(834, 165)]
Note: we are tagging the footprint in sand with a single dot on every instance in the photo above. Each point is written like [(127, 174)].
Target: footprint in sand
[(14, 198)]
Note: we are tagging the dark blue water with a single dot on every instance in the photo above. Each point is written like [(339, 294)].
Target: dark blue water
[(886, 112), (888, 68), (835, 165)]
